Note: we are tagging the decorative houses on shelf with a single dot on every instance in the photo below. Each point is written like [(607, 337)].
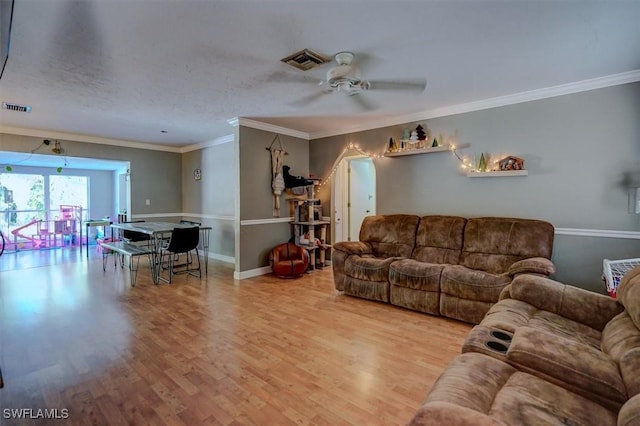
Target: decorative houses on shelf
[(511, 163)]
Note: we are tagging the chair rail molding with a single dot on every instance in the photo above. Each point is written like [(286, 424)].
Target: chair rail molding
[(266, 221), (598, 233)]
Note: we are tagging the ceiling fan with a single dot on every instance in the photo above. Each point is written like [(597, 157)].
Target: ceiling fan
[(346, 78)]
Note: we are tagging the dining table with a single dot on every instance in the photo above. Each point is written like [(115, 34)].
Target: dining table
[(160, 232)]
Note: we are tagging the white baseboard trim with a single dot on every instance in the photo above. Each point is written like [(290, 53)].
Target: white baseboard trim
[(598, 233), (251, 273), (222, 258)]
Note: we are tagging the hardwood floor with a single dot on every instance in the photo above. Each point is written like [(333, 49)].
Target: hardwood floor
[(215, 351)]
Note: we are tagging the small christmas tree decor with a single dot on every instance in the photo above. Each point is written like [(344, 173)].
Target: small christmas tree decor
[(421, 134), (435, 143), (482, 164)]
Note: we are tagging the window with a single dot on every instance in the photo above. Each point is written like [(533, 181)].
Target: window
[(68, 190), (31, 202), (26, 201)]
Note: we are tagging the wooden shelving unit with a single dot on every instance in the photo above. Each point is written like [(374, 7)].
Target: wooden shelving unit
[(505, 173), (428, 150)]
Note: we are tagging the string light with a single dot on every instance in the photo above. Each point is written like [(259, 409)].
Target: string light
[(350, 147), (57, 149), (465, 163)]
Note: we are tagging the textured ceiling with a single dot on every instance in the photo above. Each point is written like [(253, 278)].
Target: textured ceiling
[(131, 69)]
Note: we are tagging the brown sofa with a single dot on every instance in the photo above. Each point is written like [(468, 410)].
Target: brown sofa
[(441, 265), (546, 353)]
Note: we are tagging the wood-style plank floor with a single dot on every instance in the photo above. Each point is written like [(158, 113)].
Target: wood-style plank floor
[(215, 351)]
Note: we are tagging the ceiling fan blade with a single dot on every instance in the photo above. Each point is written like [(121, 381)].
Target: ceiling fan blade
[(362, 102), (308, 99), (417, 85)]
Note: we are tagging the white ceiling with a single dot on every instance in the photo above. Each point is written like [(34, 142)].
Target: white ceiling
[(130, 69)]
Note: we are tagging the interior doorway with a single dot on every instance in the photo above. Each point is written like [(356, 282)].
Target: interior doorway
[(354, 196)]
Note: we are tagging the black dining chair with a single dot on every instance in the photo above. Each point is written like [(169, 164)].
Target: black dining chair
[(134, 236), (183, 241)]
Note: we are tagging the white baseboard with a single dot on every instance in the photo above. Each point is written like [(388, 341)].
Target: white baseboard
[(251, 273), (222, 258)]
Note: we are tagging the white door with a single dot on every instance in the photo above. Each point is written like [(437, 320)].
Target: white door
[(361, 194), (124, 194)]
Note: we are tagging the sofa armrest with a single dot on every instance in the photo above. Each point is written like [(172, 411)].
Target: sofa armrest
[(586, 307), (353, 247), (533, 265), (629, 414)]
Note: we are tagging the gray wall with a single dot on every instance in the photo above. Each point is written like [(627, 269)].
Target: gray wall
[(211, 200), (155, 175), (579, 149), (256, 199)]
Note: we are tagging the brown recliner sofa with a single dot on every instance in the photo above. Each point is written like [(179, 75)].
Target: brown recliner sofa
[(441, 265), (546, 353)]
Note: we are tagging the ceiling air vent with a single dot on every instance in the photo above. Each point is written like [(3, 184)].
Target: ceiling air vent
[(16, 107), (305, 60)]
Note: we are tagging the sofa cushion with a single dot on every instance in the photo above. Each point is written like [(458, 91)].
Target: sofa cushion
[(390, 235), (368, 268), (620, 336), (479, 390), (621, 341), (629, 294), (571, 364), (472, 284), (586, 307), (509, 314), (467, 310), (439, 239), (372, 290), (629, 368), (416, 300), (415, 285), (417, 275), (492, 244)]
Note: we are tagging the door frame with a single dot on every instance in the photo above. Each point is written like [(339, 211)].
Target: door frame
[(340, 195)]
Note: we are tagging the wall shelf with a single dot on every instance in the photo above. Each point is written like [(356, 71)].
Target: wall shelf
[(428, 150), (505, 173)]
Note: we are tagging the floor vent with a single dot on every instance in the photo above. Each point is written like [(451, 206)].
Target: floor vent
[(16, 107), (305, 60)]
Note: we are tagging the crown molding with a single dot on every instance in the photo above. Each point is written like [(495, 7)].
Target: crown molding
[(516, 98), (208, 144), (78, 137), (254, 124)]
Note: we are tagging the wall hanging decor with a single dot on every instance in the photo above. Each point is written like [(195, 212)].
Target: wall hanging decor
[(277, 178)]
